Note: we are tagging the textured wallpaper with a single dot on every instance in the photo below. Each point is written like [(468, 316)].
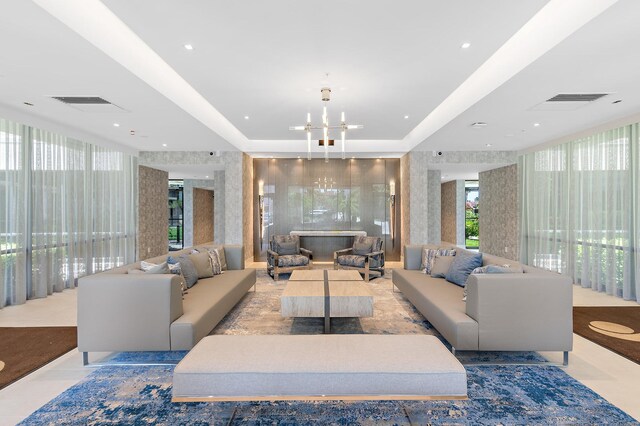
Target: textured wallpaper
[(452, 215), (405, 200), (153, 212), (448, 212), (499, 216), (202, 216)]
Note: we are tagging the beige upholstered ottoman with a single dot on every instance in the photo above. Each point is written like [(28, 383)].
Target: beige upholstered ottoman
[(318, 367)]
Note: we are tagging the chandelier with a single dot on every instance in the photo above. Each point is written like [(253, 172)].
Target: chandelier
[(325, 127)]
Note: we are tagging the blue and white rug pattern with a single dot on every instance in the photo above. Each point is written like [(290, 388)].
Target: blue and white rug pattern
[(498, 394)]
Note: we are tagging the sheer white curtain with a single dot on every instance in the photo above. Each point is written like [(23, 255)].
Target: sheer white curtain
[(13, 183), (68, 209), (579, 204), (58, 212)]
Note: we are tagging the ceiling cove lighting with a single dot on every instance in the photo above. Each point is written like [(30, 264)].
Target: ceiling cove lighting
[(325, 127)]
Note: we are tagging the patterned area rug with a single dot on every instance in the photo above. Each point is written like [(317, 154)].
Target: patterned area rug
[(498, 394)]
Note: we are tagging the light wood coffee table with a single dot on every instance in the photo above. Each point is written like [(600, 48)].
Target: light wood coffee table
[(328, 294)]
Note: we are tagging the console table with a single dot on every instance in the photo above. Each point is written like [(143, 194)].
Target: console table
[(324, 243)]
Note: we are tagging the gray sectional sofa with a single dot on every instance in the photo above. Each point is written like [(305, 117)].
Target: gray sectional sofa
[(530, 311), (119, 311)]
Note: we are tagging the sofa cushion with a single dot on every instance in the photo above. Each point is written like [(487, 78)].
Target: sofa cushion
[(429, 254), (441, 265), (462, 266), (292, 260), (351, 260), (440, 302), (188, 269), (207, 303)]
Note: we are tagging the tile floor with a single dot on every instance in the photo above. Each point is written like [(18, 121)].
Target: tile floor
[(612, 376)]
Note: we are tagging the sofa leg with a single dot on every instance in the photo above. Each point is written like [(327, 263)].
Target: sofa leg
[(565, 358), (366, 275), (85, 358)]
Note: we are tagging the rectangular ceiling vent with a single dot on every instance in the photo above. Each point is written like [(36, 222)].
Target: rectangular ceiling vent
[(577, 97), (81, 100), (89, 104), (568, 101)]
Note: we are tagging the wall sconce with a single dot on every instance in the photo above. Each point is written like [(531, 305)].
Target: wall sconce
[(261, 208), (392, 201)]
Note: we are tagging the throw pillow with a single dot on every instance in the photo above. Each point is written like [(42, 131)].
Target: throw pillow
[(174, 265), (216, 267), (189, 271), (222, 257), (145, 266), (361, 249), (288, 248), (162, 268), (441, 265), (202, 263), (428, 255), (135, 271), (462, 266)]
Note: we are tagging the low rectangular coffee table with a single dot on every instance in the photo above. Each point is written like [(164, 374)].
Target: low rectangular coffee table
[(329, 296), (318, 275)]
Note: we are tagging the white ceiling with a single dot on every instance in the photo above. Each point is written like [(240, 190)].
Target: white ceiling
[(268, 60)]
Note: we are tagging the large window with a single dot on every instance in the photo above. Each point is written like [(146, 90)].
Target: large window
[(580, 210), (69, 210)]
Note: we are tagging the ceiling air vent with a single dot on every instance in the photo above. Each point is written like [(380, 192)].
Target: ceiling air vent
[(89, 103), (568, 101), (577, 97), (82, 100)]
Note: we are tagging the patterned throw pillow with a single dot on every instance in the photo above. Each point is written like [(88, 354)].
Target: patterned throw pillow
[(219, 249), (429, 255), (216, 267)]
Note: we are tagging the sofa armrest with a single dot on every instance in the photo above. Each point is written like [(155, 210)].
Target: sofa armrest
[(341, 252), (412, 257), (305, 252), (373, 254), (522, 311), (127, 312), (234, 254)]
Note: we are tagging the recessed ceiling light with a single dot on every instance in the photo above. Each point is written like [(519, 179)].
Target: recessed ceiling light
[(536, 124), (188, 46), (465, 45), (488, 145), (116, 124), (164, 144), (246, 117), (406, 117)]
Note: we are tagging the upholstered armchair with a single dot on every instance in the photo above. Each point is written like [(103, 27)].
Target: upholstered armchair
[(285, 255), (366, 256)]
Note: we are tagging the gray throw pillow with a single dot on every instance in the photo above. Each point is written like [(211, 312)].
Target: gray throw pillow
[(288, 248), (361, 249), (188, 269), (462, 266), (441, 265), (202, 262)]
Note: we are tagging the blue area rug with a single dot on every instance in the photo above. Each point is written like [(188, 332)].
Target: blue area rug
[(498, 394), (506, 394)]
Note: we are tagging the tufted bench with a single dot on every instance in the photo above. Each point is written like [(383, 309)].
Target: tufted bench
[(319, 367)]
